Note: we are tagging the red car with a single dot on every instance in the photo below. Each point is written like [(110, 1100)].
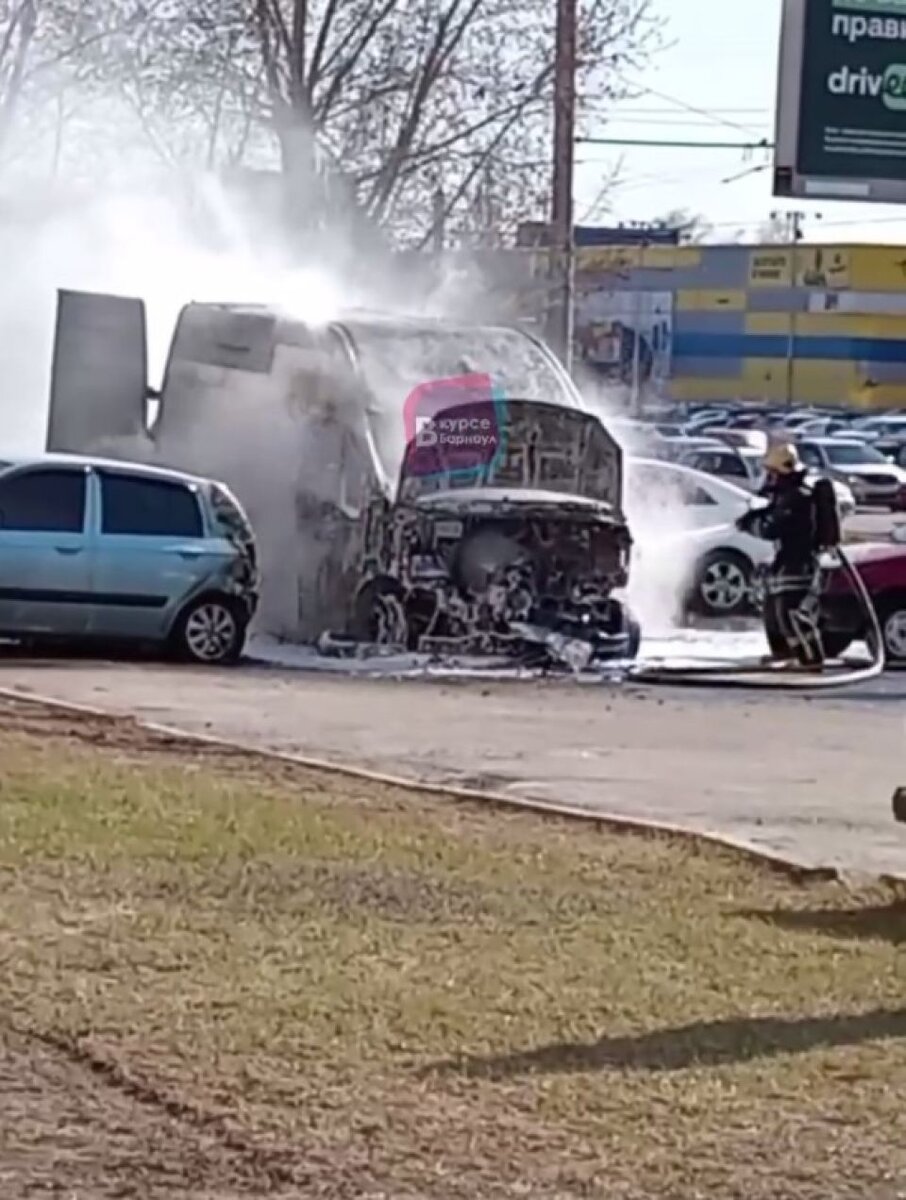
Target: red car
[(882, 567)]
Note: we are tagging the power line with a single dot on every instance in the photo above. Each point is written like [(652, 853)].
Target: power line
[(756, 223), (764, 144), (692, 108), (652, 112), (659, 122)]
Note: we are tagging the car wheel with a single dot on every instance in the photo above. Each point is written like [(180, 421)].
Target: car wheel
[(892, 619), (723, 586), (379, 613), (210, 631), (633, 631)]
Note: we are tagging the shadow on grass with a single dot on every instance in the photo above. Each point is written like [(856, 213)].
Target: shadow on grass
[(883, 924), (701, 1044)]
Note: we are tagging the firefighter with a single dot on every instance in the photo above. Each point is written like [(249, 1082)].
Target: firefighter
[(792, 519)]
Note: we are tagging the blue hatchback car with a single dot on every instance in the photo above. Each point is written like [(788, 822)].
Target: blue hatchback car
[(117, 551)]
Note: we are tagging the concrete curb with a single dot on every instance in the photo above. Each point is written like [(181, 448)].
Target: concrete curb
[(797, 871)]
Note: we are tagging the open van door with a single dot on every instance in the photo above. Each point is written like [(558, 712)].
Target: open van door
[(99, 376)]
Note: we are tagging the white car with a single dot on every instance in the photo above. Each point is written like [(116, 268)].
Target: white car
[(743, 468), (688, 550), (871, 477)]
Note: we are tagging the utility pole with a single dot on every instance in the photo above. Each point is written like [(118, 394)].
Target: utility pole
[(794, 236), (562, 255)]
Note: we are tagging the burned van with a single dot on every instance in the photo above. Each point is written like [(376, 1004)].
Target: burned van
[(411, 483)]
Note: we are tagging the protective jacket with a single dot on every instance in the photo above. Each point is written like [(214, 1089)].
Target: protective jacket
[(790, 521)]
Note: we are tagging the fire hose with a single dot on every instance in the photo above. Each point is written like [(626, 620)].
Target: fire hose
[(730, 673)]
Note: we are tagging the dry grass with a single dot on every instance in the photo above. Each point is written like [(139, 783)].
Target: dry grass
[(221, 978)]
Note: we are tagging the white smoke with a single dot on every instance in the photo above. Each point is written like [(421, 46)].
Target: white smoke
[(149, 246), (663, 528), (154, 247)]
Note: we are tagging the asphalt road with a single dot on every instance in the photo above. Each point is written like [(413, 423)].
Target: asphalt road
[(808, 778)]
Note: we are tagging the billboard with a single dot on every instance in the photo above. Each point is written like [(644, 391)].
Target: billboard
[(625, 336), (841, 102), (803, 266)]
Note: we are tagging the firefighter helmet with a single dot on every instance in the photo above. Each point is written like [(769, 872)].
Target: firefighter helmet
[(783, 459)]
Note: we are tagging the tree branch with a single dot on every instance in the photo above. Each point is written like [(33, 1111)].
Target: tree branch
[(322, 108), (314, 70), (27, 19), (438, 53)]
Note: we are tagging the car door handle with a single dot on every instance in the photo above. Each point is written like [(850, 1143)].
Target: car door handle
[(69, 549), (189, 552)]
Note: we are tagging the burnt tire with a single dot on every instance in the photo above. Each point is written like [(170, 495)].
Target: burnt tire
[(723, 585), (210, 632), (366, 611), (633, 631)]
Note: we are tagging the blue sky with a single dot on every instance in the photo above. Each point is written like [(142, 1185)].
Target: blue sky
[(721, 60)]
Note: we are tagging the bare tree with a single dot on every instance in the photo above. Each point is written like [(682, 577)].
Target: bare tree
[(18, 21), (47, 52), (427, 100), (428, 117)]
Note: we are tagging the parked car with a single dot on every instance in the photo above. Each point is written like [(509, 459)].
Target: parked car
[(874, 480), (888, 436), (744, 468), (727, 463), (117, 551), (789, 424), (700, 553), (882, 567), (743, 439), (675, 448)]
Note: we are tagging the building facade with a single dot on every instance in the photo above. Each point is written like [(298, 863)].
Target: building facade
[(806, 324)]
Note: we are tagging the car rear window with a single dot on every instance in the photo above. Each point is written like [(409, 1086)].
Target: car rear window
[(144, 507), (43, 500)]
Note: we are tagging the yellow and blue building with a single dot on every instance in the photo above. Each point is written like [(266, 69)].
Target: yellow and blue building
[(810, 323)]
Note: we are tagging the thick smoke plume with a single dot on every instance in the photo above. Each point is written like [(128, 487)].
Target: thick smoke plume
[(153, 247), (157, 249)]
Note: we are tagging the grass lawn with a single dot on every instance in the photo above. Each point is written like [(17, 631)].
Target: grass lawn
[(226, 978)]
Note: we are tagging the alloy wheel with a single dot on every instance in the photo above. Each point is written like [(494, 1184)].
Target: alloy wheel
[(724, 585), (211, 632)]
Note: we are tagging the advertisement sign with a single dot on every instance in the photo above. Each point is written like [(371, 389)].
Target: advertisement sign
[(621, 333), (822, 267), (841, 111), (810, 266), (770, 268)]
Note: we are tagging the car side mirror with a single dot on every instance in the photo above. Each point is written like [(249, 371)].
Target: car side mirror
[(898, 535)]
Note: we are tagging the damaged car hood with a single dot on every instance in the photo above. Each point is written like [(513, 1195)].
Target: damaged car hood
[(536, 447)]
